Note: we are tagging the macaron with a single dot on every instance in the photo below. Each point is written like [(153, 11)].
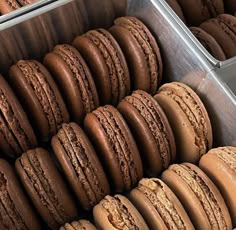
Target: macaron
[(119, 7), (220, 165), (230, 6), (198, 11), (115, 147), (80, 165), (46, 188), (159, 206), (223, 30), (151, 130), (16, 133), (107, 64), (40, 97), (177, 9), (117, 213), (198, 195), (15, 210), (79, 225), (141, 51), (189, 120), (74, 80), (7, 6), (211, 45)]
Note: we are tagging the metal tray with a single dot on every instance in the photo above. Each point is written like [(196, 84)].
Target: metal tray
[(183, 59)]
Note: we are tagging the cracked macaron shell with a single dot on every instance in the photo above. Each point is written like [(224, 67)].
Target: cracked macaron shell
[(151, 130), (79, 225), (16, 133), (46, 188), (198, 195), (107, 64), (141, 52), (80, 165), (220, 165), (15, 210), (40, 97), (117, 213), (115, 147), (74, 80), (188, 119), (159, 206)]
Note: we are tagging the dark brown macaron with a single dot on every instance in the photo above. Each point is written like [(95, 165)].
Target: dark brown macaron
[(230, 6), (199, 196), (177, 9), (189, 120), (141, 51), (151, 130), (74, 80), (15, 210), (79, 225), (107, 64), (39, 96), (115, 146), (220, 165), (46, 188), (198, 11), (211, 45), (117, 213), (120, 7), (16, 133), (223, 30), (159, 206), (80, 165)]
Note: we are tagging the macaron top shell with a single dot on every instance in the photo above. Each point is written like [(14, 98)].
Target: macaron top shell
[(141, 51), (78, 225), (16, 133), (199, 196), (74, 80), (40, 97), (117, 213)]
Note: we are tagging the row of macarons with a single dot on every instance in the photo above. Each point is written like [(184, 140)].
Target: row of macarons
[(104, 67), (186, 196)]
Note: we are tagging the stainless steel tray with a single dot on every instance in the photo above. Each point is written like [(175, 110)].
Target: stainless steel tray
[(183, 59)]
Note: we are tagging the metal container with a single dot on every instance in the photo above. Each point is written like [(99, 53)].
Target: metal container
[(184, 58)]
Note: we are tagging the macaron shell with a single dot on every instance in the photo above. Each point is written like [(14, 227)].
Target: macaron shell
[(198, 209), (117, 212), (40, 97), (8, 6), (80, 165), (46, 188), (177, 9), (222, 174), (15, 209), (16, 134), (78, 225)]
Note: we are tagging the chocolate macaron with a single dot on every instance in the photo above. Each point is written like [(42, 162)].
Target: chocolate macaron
[(220, 165), (45, 187), (159, 206), (79, 225), (211, 45), (16, 133), (115, 146), (230, 6), (40, 97), (74, 80), (15, 210), (107, 64), (177, 9), (80, 164), (141, 51), (199, 196), (151, 130), (189, 120), (117, 213)]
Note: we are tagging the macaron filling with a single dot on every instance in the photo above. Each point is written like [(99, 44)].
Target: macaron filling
[(118, 214), (119, 145), (203, 193), (154, 191)]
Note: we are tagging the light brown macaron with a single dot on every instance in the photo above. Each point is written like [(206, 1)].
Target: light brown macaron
[(189, 120), (159, 206), (78, 225), (220, 165), (198, 195), (117, 212)]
